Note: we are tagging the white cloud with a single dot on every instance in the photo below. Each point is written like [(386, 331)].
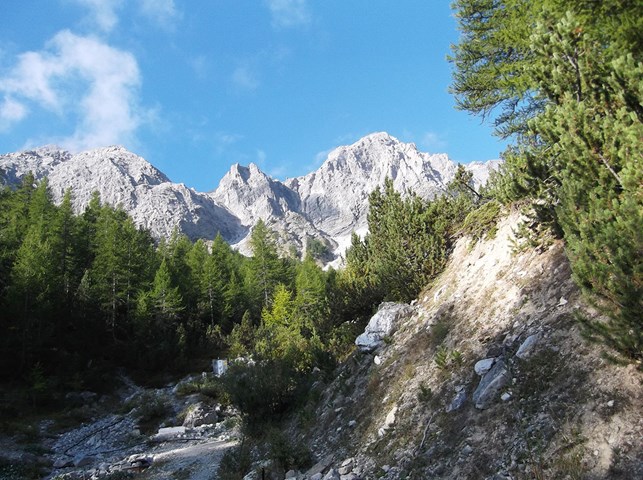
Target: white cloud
[(102, 12), (261, 157), (200, 65), (223, 140), (163, 12), (432, 140), (11, 111), (243, 77), (79, 77), (320, 158), (289, 13)]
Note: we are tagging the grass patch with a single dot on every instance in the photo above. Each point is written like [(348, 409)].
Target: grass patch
[(207, 385), (481, 223)]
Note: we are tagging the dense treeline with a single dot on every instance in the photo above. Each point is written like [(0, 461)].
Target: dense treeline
[(563, 81), (86, 293)]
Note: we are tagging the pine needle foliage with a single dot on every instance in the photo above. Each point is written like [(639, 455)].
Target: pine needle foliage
[(563, 79)]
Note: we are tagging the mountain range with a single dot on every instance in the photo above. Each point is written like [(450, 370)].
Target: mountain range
[(327, 204)]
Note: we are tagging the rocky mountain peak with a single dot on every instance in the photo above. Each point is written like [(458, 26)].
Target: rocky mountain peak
[(250, 194), (327, 204), (360, 168)]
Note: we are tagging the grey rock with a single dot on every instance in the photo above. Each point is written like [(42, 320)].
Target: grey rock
[(490, 384), (483, 366), (381, 325), (219, 367), (123, 178), (527, 347), (84, 461), (369, 160), (63, 463), (458, 401), (317, 476), (166, 433), (140, 461), (332, 475), (349, 476), (344, 470), (251, 476), (200, 414), (320, 466), (291, 474), (388, 422), (312, 206)]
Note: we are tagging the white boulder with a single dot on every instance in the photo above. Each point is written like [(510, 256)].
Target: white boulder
[(381, 325)]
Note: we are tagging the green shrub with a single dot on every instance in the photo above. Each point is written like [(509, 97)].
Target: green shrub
[(285, 454), (150, 410), (265, 389), (425, 394), (235, 463), (207, 385), (480, 223), (442, 358)]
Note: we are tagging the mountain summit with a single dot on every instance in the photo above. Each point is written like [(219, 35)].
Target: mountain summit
[(327, 204)]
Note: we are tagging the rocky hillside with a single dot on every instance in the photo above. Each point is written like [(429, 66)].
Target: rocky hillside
[(484, 376), (326, 205)]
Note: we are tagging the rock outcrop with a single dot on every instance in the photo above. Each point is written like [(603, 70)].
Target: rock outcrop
[(381, 325)]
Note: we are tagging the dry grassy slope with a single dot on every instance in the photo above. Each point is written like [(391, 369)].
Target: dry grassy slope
[(571, 414)]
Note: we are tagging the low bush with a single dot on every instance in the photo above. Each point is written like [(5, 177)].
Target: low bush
[(265, 389)]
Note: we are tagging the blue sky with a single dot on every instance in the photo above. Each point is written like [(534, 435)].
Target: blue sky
[(197, 85)]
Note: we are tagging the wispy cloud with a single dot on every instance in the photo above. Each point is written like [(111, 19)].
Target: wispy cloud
[(162, 12), (102, 13), (11, 112), (289, 13), (199, 65), (223, 140), (261, 157), (245, 78), (319, 159), (432, 141), (79, 77)]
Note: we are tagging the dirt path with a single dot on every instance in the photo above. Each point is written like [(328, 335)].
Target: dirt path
[(192, 462)]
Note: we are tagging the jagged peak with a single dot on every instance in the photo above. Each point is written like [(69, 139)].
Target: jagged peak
[(379, 137), (49, 150), (50, 147), (252, 171)]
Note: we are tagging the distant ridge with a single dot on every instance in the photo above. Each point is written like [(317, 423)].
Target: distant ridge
[(327, 204)]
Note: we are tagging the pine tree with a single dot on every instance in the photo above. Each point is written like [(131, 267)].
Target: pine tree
[(166, 299), (311, 300), (573, 75), (122, 266), (32, 282), (265, 266)]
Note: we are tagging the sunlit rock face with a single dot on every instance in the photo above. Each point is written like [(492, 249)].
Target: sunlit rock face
[(327, 204)]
